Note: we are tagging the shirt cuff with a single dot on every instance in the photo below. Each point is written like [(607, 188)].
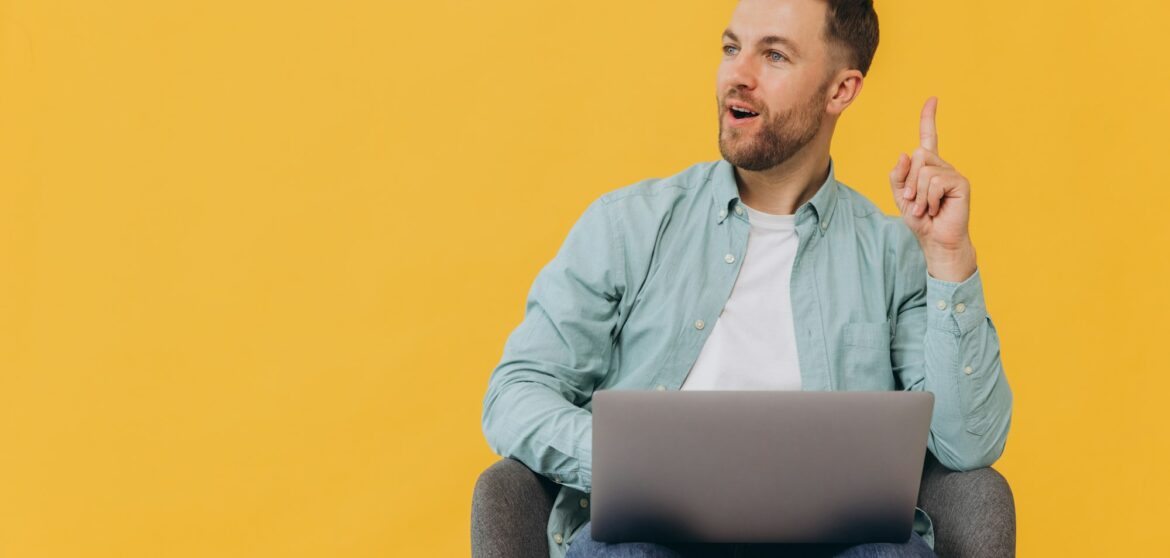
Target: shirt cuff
[(955, 307)]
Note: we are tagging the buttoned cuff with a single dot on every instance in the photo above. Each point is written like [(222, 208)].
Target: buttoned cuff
[(955, 307)]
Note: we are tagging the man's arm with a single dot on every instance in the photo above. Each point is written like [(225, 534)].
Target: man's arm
[(557, 355), (945, 342)]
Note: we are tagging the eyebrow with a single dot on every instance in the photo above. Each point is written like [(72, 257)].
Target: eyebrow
[(767, 40)]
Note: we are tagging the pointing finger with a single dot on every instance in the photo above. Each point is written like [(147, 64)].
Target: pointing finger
[(927, 131)]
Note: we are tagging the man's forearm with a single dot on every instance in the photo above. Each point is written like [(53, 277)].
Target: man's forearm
[(973, 401), (533, 423)]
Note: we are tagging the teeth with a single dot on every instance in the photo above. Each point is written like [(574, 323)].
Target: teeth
[(738, 109)]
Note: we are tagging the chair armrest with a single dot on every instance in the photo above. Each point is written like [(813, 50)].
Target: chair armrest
[(974, 512), (509, 511)]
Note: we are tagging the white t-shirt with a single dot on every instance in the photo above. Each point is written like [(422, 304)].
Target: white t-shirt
[(753, 343)]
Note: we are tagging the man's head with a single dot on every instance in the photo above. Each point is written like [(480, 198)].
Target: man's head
[(792, 62)]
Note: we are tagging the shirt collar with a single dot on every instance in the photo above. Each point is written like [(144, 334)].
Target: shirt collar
[(726, 193)]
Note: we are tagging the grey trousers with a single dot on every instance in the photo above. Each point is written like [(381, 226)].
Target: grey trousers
[(973, 512), (583, 546)]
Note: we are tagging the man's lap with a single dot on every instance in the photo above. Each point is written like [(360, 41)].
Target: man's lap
[(583, 546)]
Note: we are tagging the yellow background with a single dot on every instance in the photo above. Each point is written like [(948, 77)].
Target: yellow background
[(258, 259)]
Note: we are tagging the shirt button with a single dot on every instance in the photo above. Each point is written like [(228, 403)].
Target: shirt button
[(739, 210), (960, 307), (584, 502), (557, 537), (730, 258), (699, 324), (722, 213), (941, 305), (660, 387), (824, 224), (968, 369)]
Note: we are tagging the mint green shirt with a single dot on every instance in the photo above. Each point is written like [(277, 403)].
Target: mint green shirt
[(638, 284)]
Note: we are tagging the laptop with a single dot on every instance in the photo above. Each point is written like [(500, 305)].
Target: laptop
[(716, 466)]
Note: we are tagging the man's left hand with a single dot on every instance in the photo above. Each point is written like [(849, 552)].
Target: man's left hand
[(935, 203)]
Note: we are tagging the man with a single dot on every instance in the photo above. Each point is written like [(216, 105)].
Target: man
[(760, 271)]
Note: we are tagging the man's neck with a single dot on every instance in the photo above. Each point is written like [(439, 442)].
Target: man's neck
[(783, 188)]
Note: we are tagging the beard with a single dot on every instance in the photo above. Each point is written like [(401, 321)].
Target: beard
[(776, 140)]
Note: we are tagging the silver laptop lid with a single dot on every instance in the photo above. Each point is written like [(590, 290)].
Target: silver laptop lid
[(757, 466)]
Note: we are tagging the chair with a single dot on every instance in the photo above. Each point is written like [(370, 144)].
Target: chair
[(974, 512)]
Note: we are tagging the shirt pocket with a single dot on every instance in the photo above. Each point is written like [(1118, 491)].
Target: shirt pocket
[(866, 361)]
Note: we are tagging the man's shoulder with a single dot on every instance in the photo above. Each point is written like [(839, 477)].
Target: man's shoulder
[(859, 207), (662, 190), (868, 217), (879, 232)]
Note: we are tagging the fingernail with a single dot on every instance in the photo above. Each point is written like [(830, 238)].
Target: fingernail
[(906, 193)]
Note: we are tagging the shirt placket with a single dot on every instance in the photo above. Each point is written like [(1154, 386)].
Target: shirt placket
[(723, 260), (812, 351)]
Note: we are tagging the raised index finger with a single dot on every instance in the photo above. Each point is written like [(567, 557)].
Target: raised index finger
[(927, 132)]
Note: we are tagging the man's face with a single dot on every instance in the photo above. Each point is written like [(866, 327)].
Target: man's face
[(775, 63)]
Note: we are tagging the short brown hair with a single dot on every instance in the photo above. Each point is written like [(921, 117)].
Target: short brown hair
[(853, 26)]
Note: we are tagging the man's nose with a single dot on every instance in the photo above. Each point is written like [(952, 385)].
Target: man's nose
[(741, 73)]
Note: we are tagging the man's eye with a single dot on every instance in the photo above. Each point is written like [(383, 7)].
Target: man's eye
[(725, 47), (776, 56)]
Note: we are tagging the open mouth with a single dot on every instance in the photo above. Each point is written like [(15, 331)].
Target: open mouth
[(740, 113)]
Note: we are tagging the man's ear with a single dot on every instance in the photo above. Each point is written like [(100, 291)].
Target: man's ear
[(844, 87)]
